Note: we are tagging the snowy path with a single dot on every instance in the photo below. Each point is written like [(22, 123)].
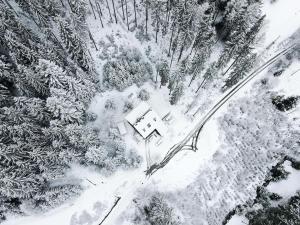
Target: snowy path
[(127, 195)]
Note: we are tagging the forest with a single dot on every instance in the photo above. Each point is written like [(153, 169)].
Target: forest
[(52, 65)]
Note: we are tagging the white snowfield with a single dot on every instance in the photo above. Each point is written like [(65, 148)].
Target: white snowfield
[(92, 206)]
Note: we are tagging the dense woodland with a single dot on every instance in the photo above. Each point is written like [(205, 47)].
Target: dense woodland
[(48, 79)]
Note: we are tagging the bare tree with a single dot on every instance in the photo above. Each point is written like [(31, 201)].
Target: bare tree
[(113, 3), (62, 3), (122, 4), (92, 6), (171, 40), (146, 8), (126, 7), (108, 9), (100, 13), (93, 40), (157, 25), (134, 6)]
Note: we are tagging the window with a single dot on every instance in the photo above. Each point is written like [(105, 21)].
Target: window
[(149, 125), (154, 119), (144, 129)]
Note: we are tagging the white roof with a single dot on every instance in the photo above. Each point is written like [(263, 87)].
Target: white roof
[(145, 120), (137, 112)]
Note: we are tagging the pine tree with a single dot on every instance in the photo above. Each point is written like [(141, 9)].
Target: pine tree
[(240, 70), (239, 19), (209, 75), (75, 46), (176, 93), (163, 71)]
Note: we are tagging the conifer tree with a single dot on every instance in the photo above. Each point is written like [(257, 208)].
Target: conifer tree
[(176, 93), (163, 72)]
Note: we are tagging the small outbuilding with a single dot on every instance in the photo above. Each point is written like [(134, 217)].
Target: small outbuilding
[(122, 128), (146, 121)]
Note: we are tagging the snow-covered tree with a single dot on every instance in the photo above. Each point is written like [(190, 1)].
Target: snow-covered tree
[(176, 93), (163, 71)]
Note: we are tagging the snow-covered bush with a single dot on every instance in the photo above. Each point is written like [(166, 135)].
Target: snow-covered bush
[(111, 155), (156, 212), (144, 95), (277, 173), (285, 104), (55, 196), (128, 106), (110, 104), (140, 34), (109, 49), (129, 68)]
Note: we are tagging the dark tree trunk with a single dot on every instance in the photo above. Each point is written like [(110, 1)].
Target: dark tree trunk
[(93, 40), (172, 34), (62, 3), (126, 14), (201, 85), (99, 13), (134, 6), (172, 57), (92, 6), (194, 76), (178, 33), (182, 48), (167, 12), (146, 17), (99, 7), (108, 9), (157, 24), (185, 5), (113, 3), (122, 4)]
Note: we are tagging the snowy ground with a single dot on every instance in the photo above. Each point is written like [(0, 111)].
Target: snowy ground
[(287, 187), (283, 19), (237, 220), (96, 201)]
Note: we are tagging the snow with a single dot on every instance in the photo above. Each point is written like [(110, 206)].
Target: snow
[(237, 220), (283, 16), (288, 187), (184, 167), (289, 81)]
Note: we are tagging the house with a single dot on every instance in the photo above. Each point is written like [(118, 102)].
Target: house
[(146, 121)]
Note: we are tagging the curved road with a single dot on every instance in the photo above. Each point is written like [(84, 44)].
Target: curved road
[(196, 130)]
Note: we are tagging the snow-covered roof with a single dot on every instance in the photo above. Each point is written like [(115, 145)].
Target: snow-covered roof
[(145, 120)]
